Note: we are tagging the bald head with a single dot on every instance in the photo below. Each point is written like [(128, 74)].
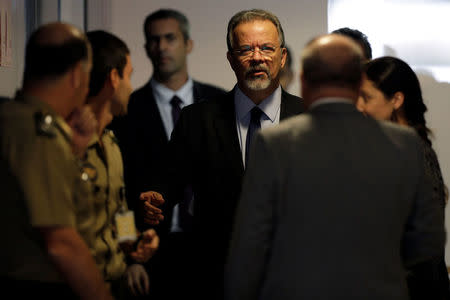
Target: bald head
[(53, 49), (332, 61)]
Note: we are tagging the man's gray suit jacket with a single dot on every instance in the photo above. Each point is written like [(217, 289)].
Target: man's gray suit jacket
[(334, 205)]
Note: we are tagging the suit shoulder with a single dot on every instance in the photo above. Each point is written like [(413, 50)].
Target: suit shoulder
[(290, 128), (398, 130), (208, 91), (294, 103), (141, 93), (401, 136)]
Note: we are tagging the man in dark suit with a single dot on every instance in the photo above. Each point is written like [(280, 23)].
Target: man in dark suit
[(150, 111), (334, 204), (144, 134), (208, 145)]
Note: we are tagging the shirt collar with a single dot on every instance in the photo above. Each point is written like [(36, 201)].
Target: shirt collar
[(270, 106), (328, 100), (164, 94)]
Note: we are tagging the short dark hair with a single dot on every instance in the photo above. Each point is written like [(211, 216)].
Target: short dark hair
[(391, 75), (50, 60), (183, 22), (358, 37), (108, 52), (245, 16)]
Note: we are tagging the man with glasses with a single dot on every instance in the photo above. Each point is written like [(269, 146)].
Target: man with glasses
[(208, 145)]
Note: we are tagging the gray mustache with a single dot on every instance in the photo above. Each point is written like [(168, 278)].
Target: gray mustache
[(260, 68)]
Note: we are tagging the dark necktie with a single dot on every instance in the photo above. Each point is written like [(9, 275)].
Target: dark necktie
[(184, 218), (255, 124), (176, 108)]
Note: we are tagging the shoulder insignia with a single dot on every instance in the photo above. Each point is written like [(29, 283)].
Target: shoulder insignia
[(112, 136), (88, 172), (45, 124)]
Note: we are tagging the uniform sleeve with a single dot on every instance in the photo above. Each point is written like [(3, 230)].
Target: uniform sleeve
[(46, 171)]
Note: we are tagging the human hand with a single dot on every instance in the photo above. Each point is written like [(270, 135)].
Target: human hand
[(137, 280), (152, 214), (146, 246), (84, 124)]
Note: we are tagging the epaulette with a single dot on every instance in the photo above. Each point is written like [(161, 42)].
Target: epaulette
[(112, 135), (45, 124), (88, 171)]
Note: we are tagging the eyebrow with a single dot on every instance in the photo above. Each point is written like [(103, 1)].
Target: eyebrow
[(261, 45), (166, 35)]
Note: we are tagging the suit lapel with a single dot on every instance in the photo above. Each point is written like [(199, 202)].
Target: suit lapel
[(225, 126), (198, 96), (154, 117), (290, 106)]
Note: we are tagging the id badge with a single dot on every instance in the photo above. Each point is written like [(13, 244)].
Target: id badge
[(126, 228)]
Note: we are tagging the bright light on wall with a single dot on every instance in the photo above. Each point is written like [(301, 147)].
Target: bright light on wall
[(415, 31)]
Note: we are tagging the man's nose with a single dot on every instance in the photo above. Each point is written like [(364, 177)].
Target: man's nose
[(162, 44), (257, 54)]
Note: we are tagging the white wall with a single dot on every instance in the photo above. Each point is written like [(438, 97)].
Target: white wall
[(420, 44)]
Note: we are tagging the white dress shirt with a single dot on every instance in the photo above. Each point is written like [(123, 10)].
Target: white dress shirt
[(243, 106), (163, 95)]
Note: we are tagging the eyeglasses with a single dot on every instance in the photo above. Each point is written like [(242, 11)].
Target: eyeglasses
[(265, 50)]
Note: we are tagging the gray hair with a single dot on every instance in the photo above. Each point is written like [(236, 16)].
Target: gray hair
[(252, 15)]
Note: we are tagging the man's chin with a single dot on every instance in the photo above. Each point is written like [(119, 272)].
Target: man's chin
[(257, 84), (166, 71)]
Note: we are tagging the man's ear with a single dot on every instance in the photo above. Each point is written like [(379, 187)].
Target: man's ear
[(114, 78), (75, 75), (302, 78), (303, 86), (283, 57), (147, 49), (231, 60), (398, 99), (189, 46)]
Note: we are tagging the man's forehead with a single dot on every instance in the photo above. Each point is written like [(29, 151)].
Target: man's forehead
[(257, 28), (163, 27)]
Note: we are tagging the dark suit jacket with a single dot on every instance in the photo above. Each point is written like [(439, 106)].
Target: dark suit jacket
[(207, 156), (143, 142), (334, 205)]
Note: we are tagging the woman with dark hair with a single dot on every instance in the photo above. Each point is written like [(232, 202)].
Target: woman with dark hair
[(391, 91)]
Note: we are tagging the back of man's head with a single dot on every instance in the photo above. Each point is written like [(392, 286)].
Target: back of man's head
[(332, 61), (109, 52), (52, 50), (358, 37), (182, 20)]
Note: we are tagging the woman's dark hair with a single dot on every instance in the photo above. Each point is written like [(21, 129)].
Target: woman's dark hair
[(391, 75)]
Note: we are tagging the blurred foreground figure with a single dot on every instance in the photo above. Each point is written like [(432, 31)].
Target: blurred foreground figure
[(47, 215)]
